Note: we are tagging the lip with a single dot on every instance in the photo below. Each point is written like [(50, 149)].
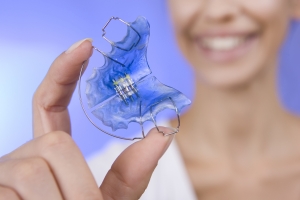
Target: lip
[(225, 56)]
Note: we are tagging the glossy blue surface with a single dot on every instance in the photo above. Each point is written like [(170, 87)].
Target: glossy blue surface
[(128, 58)]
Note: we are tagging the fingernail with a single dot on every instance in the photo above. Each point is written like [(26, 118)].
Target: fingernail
[(166, 130), (77, 44), (169, 139)]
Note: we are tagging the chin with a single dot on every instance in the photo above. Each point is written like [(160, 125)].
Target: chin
[(233, 77), (227, 84)]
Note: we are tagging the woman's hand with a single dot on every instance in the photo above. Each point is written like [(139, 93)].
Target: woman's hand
[(51, 166)]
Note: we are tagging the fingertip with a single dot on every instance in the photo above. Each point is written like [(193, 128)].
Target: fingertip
[(84, 42), (152, 147), (161, 133), (78, 53), (160, 140)]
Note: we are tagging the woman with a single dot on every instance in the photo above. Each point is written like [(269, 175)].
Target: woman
[(247, 145), (236, 142)]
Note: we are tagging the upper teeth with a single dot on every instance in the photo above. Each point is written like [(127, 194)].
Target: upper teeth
[(222, 43)]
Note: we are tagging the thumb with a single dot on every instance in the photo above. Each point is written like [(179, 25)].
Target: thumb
[(131, 172)]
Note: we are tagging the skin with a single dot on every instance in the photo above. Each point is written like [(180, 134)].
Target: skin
[(51, 166), (236, 140)]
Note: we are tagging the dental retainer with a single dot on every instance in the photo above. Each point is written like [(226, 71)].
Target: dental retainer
[(123, 90)]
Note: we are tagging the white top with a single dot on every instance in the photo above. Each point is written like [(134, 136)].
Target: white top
[(169, 181)]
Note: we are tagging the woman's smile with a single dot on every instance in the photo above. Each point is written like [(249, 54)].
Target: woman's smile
[(230, 43), (223, 47)]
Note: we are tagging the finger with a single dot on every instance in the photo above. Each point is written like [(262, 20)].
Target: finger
[(54, 93), (7, 193), (131, 172), (67, 164), (30, 178)]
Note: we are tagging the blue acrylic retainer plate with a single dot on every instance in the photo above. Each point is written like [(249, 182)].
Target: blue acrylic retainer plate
[(123, 89)]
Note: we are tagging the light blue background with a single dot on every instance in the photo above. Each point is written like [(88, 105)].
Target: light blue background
[(34, 33)]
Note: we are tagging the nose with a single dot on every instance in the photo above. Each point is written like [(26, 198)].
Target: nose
[(216, 11)]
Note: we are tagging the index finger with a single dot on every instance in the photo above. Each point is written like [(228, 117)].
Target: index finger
[(52, 97)]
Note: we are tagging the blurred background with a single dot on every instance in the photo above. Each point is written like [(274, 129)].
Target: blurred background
[(33, 33)]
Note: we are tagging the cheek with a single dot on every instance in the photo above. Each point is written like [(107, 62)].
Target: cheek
[(265, 10), (262, 6), (273, 17), (183, 12)]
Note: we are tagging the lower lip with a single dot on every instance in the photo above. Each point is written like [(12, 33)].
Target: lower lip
[(226, 56)]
